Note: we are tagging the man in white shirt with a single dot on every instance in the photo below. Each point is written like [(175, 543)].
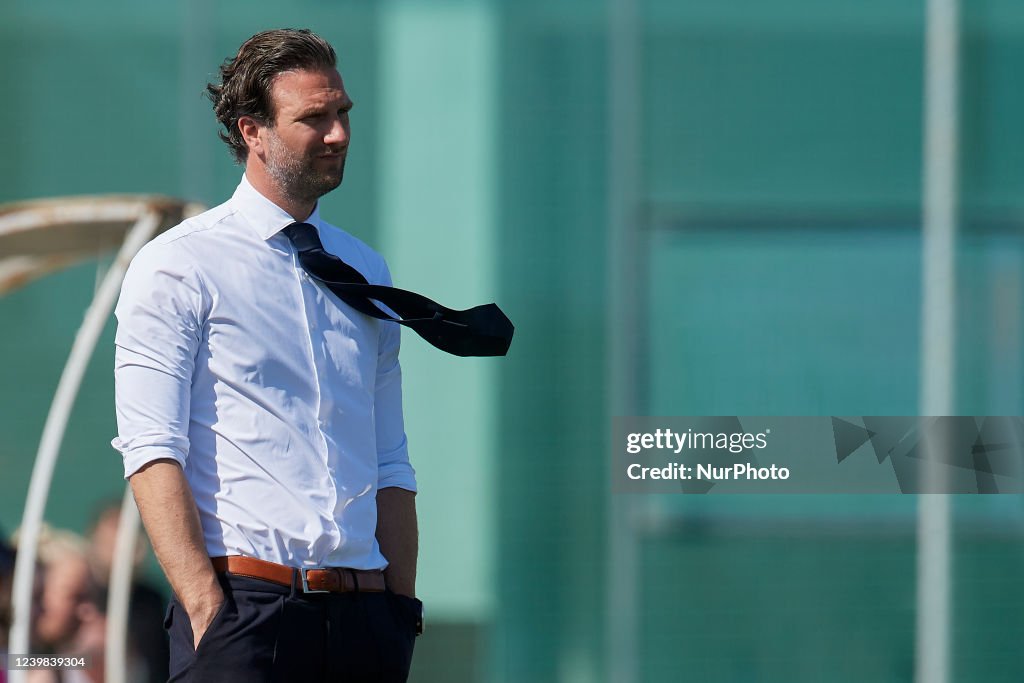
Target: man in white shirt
[(259, 416)]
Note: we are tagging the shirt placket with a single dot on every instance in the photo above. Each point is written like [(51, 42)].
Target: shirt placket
[(324, 401)]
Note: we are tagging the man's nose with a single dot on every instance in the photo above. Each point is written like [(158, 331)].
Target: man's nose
[(338, 134)]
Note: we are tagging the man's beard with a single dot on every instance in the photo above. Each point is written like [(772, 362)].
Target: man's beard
[(297, 177)]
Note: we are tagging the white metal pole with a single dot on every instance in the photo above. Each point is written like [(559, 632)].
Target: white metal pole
[(932, 656), (119, 597), (53, 431), (622, 325)]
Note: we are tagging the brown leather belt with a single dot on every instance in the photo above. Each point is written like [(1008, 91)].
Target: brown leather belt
[(319, 580)]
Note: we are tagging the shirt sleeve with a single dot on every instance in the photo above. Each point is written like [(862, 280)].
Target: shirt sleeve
[(158, 335), (393, 466)]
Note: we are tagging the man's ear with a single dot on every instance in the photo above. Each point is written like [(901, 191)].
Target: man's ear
[(250, 130)]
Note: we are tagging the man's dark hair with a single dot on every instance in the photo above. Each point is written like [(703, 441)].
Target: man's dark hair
[(246, 79)]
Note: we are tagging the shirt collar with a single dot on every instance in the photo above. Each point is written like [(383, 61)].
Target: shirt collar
[(265, 217)]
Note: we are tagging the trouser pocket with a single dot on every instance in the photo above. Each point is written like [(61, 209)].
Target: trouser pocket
[(178, 624)]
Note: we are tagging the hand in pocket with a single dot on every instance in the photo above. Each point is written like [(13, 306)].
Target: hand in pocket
[(202, 620)]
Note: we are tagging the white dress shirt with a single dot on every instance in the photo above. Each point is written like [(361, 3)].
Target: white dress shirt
[(282, 403)]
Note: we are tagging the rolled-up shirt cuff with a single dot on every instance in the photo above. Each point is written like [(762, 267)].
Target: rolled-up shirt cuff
[(396, 475), (135, 459)]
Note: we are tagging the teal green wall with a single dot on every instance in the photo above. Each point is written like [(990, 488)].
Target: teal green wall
[(437, 151), (551, 573)]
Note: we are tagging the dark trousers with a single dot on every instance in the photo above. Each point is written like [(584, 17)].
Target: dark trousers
[(269, 633)]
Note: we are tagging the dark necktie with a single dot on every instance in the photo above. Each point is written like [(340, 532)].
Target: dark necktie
[(478, 331)]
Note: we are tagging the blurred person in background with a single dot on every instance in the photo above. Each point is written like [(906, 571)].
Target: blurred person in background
[(68, 590), (147, 641), (87, 641), (68, 608)]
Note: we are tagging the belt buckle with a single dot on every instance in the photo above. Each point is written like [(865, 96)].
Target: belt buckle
[(305, 581)]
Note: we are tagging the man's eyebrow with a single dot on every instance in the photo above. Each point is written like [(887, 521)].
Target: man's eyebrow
[(320, 109)]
